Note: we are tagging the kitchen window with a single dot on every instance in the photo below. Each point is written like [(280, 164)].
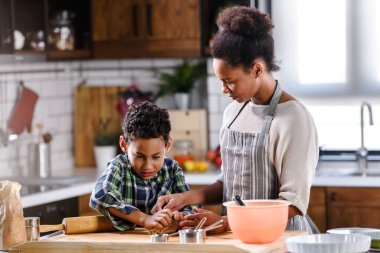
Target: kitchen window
[(328, 48)]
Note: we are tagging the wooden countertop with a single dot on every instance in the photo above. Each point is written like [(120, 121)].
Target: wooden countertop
[(138, 241)]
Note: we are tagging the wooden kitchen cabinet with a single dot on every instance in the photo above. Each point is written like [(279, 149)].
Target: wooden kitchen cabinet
[(353, 207), (317, 207), (84, 208), (190, 125), (32, 17), (146, 28)]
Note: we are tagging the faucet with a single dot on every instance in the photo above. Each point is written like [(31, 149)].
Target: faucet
[(362, 152)]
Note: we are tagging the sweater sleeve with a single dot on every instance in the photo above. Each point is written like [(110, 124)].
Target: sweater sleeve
[(295, 155)]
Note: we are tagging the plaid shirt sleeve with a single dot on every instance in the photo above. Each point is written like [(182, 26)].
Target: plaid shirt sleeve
[(107, 193)]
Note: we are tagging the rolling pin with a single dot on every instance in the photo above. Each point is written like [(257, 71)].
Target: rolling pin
[(81, 225)]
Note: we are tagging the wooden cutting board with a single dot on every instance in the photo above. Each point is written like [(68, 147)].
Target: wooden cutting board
[(138, 241), (93, 105)]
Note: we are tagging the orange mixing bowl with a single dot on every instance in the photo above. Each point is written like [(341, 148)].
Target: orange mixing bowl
[(260, 221)]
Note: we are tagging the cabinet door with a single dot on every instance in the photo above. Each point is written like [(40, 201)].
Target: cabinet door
[(317, 207), (353, 207), (84, 208), (118, 28), (6, 35), (145, 28), (173, 28)]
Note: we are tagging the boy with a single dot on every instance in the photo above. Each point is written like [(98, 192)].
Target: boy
[(130, 185)]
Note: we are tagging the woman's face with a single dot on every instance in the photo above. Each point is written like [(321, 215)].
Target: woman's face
[(237, 83), (145, 155)]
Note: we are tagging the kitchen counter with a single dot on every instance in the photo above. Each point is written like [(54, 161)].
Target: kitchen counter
[(89, 178), (138, 241)]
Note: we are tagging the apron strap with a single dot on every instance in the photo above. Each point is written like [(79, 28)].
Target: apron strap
[(241, 109), (270, 114)]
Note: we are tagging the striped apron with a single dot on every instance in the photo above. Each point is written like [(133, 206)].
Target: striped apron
[(247, 170)]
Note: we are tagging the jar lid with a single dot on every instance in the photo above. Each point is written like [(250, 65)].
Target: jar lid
[(32, 221)]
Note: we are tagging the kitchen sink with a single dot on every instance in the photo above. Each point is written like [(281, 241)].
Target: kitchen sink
[(46, 181)]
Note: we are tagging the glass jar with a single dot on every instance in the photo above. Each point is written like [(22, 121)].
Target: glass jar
[(183, 150), (61, 32)]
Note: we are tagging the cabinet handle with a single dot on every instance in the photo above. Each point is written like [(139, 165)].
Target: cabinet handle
[(333, 196), (149, 25), (135, 20)]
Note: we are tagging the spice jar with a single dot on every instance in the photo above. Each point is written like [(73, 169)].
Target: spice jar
[(61, 32)]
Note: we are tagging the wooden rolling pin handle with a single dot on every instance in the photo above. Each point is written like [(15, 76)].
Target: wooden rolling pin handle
[(87, 224), (48, 228)]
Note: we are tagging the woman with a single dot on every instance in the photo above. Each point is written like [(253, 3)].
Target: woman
[(268, 139)]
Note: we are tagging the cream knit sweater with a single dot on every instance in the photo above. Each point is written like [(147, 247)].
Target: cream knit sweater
[(293, 145)]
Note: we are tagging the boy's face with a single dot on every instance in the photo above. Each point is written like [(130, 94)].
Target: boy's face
[(146, 155)]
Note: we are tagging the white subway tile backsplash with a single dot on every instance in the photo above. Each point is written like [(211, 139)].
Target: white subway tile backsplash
[(215, 122), (214, 86), (213, 104), (132, 64), (165, 63), (224, 101), (214, 139)]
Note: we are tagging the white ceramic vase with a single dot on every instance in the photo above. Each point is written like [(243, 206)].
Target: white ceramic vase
[(103, 154), (182, 100)]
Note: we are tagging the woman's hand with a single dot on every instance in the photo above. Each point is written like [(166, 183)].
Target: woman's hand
[(178, 216), (191, 220), (159, 220), (173, 202)]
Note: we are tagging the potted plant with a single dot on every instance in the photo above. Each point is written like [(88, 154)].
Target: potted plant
[(181, 82), (105, 145)]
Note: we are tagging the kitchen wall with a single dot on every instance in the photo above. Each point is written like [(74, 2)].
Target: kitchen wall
[(55, 84), (337, 118)]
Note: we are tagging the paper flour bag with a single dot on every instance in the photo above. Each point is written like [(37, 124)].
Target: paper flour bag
[(12, 225)]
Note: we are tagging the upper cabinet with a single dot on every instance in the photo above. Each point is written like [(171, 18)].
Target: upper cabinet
[(46, 29), (6, 38), (108, 29), (146, 28)]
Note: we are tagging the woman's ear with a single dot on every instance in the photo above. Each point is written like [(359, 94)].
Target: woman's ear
[(169, 144), (257, 69), (123, 144)]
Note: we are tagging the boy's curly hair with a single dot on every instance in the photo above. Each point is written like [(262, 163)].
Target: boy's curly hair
[(146, 120)]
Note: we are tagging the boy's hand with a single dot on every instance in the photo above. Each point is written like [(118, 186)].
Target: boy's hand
[(159, 220)]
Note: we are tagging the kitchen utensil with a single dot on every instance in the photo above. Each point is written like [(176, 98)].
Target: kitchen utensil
[(192, 236), (260, 221), (200, 224), (83, 224), (217, 224), (329, 243), (197, 235), (238, 200), (39, 160), (22, 114), (161, 237), (32, 225)]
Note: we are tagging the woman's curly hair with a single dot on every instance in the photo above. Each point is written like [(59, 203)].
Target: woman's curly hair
[(146, 120), (244, 35)]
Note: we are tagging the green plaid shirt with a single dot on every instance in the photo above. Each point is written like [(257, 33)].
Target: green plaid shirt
[(121, 188)]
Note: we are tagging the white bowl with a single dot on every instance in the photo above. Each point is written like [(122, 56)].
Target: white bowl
[(328, 243), (352, 230)]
